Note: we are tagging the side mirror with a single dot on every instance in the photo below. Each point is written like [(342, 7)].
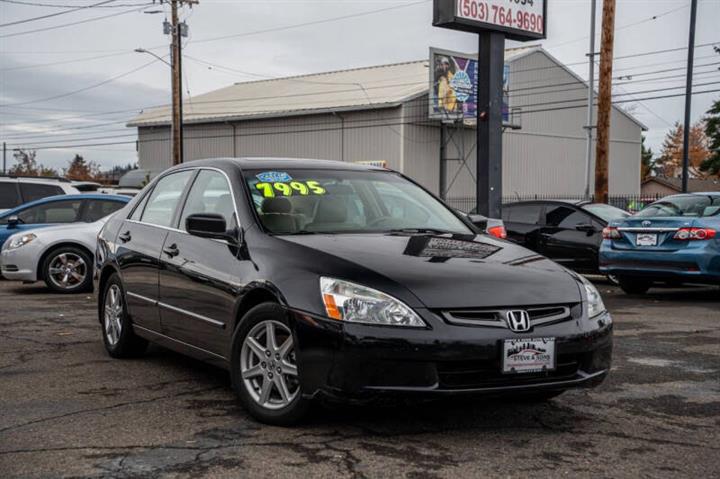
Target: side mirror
[(13, 221), (585, 227), (210, 225), (478, 220)]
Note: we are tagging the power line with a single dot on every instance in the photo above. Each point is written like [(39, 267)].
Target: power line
[(89, 87), (366, 123), (55, 5), (50, 15), (64, 25)]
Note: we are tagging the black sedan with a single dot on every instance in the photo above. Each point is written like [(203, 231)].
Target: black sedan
[(312, 279), (568, 232)]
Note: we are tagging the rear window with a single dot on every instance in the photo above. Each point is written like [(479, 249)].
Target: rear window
[(8, 196), (33, 191), (683, 205), (528, 214), (606, 212)]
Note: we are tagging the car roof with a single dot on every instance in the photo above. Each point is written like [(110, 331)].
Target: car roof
[(35, 179), (260, 163), (51, 199)]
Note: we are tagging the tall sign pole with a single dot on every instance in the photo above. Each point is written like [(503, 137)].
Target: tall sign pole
[(493, 21), (491, 60), (602, 149), (688, 97)]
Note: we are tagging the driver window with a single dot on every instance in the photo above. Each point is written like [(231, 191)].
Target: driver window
[(210, 193)]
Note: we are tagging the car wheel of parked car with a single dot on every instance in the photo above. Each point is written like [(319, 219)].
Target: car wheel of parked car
[(68, 269), (264, 369), (634, 285), (120, 340)]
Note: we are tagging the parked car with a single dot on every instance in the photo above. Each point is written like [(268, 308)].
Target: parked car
[(57, 210), (62, 255), (87, 186), (303, 281), (672, 240), (568, 232), (17, 190), (492, 226)]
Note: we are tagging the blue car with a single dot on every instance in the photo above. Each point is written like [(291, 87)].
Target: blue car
[(675, 240), (57, 210)]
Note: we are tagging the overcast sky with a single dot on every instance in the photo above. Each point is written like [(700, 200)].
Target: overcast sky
[(42, 72)]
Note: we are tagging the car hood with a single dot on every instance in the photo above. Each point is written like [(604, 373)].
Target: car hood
[(458, 271)]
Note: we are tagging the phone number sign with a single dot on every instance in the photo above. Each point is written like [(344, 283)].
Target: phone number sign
[(518, 19)]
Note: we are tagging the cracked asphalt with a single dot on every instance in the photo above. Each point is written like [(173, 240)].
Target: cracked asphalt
[(69, 410)]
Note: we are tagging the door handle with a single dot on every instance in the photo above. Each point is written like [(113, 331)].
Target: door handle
[(172, 251), (125, 237)]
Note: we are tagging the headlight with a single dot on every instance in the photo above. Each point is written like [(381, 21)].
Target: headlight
[(21, 240), (593, 300), (359, 304)]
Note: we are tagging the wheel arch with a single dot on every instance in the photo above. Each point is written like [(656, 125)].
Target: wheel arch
[(255, 294), (40, 273)]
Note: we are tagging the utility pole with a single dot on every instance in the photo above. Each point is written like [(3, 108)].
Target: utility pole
[(591, 99), (177, 31), (688, 97), (602, 150), (4, 157)]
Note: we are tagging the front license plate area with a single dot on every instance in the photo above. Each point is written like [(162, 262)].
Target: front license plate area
[(646, 239), (528, 355)]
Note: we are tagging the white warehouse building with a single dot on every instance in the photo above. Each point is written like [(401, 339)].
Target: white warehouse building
[(380, 114)]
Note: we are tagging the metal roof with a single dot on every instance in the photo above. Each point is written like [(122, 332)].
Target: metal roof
[(345, 90), (354, 89)]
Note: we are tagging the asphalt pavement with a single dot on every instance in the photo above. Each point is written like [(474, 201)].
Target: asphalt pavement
[(68, 410)]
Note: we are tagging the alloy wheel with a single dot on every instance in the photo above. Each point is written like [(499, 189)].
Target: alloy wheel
[(267, 365), (67, 270), (113, 314)]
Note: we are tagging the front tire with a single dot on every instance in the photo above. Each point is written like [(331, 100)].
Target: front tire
[(119, 338), (264, 368), (632, 285), (68, 270)]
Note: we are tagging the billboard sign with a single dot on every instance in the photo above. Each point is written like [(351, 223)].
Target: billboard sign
[(453, 86), (520, 20)]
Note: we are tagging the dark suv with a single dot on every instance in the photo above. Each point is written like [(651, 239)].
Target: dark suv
[(319, 279)]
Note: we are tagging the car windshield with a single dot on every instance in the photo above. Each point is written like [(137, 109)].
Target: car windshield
[(683, 205), (306, 201), (606, 212)]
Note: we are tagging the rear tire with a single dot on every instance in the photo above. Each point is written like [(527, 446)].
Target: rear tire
[(264, 370), (119, 338), (68, 270), (632, 285)]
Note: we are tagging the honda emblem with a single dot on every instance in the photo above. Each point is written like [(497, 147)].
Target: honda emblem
[(646, 223), (518, 321)]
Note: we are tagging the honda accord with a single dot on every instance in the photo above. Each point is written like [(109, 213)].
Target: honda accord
[(313, 279)]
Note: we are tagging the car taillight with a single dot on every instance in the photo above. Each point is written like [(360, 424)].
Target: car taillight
[(497, 231), (611, 232), (694, 234)]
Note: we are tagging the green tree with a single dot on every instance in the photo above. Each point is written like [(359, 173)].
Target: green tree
[(26, 163), (712, 131), (646, 157)]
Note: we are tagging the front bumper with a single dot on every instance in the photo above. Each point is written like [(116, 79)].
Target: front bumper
[(359, 362), (19, 264)]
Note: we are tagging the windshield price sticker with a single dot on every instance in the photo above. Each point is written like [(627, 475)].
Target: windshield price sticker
[(526, 15), (273, 176), (303, 188)]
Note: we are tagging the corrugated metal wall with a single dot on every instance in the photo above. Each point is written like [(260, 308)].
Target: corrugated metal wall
[(545, 157)]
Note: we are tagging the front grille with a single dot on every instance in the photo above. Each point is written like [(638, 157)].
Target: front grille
[(496, 317), (485, 374)]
